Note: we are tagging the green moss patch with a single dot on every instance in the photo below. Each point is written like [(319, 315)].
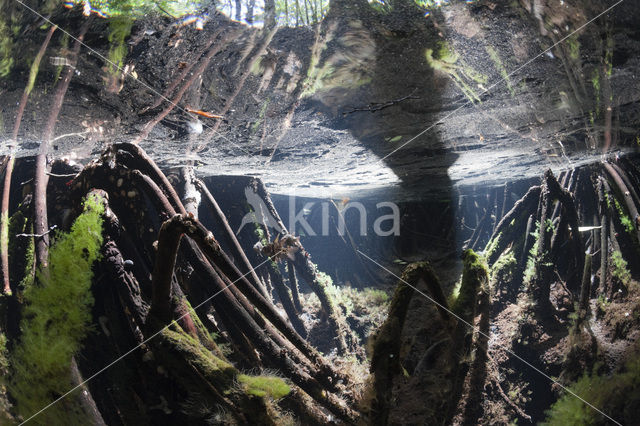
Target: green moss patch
[(6, 48), (619, 268), (532, 260), (617, 395), (262, 386), (119, 29), (492, 246), (56, 318), (474, 274)]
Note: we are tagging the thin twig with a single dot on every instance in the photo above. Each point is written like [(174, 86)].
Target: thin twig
[(69, 135), (378, 106), (62, 175), (37, 235)]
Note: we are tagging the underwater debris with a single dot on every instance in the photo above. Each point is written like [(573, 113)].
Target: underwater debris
[(280, 248), (203, 113)]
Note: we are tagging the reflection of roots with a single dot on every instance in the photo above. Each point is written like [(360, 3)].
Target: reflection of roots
[(177, 97)]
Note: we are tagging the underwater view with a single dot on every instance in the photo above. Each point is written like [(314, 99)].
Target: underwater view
[(319, 212)]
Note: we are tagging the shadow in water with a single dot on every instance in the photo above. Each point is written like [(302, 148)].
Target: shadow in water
[(383, 91)]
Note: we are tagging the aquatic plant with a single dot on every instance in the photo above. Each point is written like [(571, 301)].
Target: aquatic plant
[(18, 224), (530, 268), (624, 218), (5, 405), (620, 270), (261, 386), (617, 394), (119, 30), (353, 300), (173, 345), (602, 303), (57, 317)]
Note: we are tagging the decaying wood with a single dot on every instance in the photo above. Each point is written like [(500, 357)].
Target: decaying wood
[(300, 258), (540, 285), (309, 274), (519, 211), (474, 277), (624, 193), (189, 264), (385, 360), (168, 241), (527, 240), (293, 283), (285, 297), (568, 203), (213, 251), (279, 345), (604, 235), (231, 237), (277, 358), (478, 369), (133, 157), (585, 290), (191, 196), (89, 407)]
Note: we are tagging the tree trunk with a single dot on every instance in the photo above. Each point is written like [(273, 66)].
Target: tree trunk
[(238, 10), (249, 16)]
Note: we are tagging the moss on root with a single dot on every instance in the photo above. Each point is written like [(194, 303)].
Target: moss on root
[(199, 371), (5, 405), (262, 386), (385, 344), (532, 259), (56, 318), (212, 368), (203, 334), (474, 274), (492, 245), (503, 271)]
